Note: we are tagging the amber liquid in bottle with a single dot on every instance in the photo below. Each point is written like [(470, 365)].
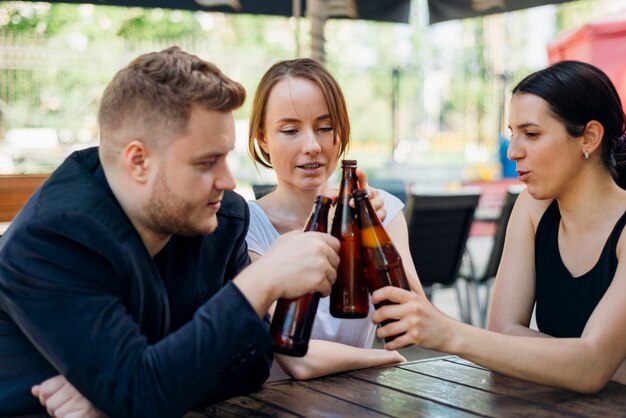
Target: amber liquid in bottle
[(382, 264), (293, 318), (349, 297)]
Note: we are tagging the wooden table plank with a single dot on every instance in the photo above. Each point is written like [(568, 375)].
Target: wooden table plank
[(298, 399), (441, 387), (605, 403), (382, 399), (215, 411), (241, 406), (455, 395)]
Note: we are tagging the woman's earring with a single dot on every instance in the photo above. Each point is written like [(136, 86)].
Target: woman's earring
[(586, 155)]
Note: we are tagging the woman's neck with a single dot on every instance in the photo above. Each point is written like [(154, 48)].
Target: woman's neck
[(593, 199), (287, 207)]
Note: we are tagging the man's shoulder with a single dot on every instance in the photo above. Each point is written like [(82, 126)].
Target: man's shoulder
[(234, 206), (72, 185), (76, 189)]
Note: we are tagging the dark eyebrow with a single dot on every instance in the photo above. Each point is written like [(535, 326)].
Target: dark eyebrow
[(526, 125)]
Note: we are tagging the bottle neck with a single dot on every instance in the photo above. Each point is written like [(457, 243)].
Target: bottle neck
[(318, 221), (348, 184), (366, 215)]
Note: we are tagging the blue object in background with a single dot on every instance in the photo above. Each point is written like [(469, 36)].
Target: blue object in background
[(508, 166)]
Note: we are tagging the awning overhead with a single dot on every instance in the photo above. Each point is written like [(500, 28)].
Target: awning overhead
[(380, 10), (442, 10)]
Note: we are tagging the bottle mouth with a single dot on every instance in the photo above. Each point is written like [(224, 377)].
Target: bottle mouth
[(323, 199), (348, 163), (359, 194)]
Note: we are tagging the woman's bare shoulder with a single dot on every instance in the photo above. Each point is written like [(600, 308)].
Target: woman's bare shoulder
[(530, 208)]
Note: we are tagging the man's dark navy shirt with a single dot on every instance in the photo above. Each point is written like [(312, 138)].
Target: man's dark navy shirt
[(138, 336)]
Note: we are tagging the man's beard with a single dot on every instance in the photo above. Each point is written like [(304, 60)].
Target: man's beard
[(169, 214)]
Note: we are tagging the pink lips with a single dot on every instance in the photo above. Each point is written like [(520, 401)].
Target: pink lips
[(522, 175), (215, 205), (310, 166)]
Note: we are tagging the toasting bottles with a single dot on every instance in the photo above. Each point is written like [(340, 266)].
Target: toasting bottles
[(349, 297), (293, 318), (382, 264)]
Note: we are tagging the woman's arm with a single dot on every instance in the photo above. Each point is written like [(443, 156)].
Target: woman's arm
[(515, 279), (582, 364), (327, 357)]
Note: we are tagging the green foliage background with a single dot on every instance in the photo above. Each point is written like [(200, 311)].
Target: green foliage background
[(55, 61)]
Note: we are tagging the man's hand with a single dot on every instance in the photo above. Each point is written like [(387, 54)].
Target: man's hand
[(62, 400), (296, 264), (303, 262)]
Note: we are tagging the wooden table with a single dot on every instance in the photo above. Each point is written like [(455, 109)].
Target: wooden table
[(441, 387)]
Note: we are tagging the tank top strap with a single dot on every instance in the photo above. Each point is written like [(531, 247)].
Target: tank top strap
[(617, 231), (549, 220)]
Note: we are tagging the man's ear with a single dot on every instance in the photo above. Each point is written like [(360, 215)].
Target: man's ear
[(137, 160), (592, 137)]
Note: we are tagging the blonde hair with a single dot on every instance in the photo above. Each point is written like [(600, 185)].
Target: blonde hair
[(153, 96)]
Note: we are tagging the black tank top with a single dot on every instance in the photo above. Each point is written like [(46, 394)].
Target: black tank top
[(565, 303)]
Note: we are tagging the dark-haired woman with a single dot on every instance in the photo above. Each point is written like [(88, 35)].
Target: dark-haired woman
[(565, 250)]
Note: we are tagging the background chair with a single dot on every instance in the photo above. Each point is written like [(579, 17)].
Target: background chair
[(261, 190), (438, 228), (481, 281), (396, 187)]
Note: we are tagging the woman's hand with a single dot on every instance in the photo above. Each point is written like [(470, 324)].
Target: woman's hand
[(374, 197), (62, 400), (415, 320)]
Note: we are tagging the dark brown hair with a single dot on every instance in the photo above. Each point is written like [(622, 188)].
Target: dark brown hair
[(578, 92)]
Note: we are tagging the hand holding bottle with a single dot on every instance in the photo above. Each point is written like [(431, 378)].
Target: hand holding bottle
[(311, 256), (372, 193), (413, 319), (382, 264), (293, 318)]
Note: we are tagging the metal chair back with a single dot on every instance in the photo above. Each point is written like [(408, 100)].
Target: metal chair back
[(498, 239), (438, 227)]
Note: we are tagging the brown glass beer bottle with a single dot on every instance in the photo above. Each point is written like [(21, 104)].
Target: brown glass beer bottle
[(349, 297), (293, 318), (382, 264)]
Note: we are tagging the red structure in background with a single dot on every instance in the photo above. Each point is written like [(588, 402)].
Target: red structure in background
[(601, 43)]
